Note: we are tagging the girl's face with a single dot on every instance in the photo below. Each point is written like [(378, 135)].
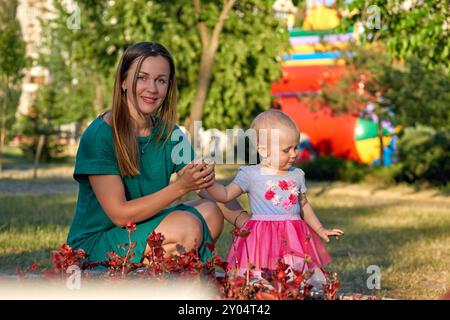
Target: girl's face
[(282, 155), (151, 86)]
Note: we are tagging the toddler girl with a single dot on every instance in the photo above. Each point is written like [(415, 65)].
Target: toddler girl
[(283, 224)]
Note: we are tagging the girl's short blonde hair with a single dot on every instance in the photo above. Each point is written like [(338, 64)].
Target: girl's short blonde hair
[(273, 119)]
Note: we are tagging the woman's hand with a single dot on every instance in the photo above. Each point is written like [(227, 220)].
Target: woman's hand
[(197, 175), (326, 233)]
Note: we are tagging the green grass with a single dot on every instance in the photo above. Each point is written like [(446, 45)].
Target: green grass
[(31, 227), (403, 231), (408, 240)]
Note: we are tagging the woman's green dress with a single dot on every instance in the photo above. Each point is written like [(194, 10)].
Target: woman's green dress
[(91, 228)]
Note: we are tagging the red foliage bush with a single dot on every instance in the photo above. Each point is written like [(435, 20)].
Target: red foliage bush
[(283, 283)]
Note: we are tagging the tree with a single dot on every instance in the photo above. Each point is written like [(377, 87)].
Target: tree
[(12, 62), (66, 97), (245, 63), (247, 45), (210, 44), (410, 28), (62, 99), (83, 33), (420, 96)]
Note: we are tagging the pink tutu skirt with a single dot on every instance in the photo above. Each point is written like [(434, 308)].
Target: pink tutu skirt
[(274, 237)]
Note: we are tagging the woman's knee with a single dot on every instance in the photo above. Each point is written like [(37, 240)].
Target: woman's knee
[(182, 228), (191, 232)]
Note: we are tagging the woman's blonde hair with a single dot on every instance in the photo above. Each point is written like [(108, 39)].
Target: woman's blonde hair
[(124, 139)]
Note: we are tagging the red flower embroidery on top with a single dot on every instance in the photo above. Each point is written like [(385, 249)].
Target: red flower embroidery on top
[(269, 194), (286, 203), (291, 184), (293, 198), (283, 185)]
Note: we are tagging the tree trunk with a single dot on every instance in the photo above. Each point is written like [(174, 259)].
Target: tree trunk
[(210, 44), (380, 137), (3, 122), (37, 156), (204, 80)]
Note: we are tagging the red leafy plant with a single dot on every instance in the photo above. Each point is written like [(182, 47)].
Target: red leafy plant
[(284, 283)]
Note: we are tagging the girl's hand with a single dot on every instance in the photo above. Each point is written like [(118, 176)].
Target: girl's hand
[(209, 165), (326, 233), (197, 175)]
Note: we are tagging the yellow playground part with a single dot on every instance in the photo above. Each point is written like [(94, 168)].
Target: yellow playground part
[(320, 47), (369, 149), (321, 18)]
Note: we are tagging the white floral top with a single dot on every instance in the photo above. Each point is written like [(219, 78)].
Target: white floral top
[(269, 194)]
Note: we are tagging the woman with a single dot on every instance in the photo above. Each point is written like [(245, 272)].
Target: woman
[(124, 163)]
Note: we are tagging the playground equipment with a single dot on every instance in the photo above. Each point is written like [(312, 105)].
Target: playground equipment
[(314, 59)]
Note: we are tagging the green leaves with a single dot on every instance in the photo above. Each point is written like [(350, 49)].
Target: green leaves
[(424, 153), (420, 96), (12, 62), (12, 46), (419, 30), (245, 64)]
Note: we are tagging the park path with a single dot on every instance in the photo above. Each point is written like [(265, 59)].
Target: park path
[(50, 181), (16, 187)]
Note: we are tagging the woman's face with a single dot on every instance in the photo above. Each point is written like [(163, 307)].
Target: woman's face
[(151, 86)]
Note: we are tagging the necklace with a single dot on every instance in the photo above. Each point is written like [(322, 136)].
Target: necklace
[(146, 144), (149, 137)]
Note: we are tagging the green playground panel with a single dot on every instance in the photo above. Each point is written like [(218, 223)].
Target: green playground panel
[(305, 33), (366, 129)]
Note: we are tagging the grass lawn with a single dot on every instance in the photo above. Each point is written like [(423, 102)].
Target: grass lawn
[(406, 233)]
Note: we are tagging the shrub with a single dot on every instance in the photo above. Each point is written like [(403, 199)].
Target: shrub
[(329, 168), (388, 175), (424, 154), (29, 129)]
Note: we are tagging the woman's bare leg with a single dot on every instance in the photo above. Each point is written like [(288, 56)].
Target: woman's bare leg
[(181, 230)]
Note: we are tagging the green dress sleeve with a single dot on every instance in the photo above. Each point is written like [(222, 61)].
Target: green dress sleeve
[(96, 152)]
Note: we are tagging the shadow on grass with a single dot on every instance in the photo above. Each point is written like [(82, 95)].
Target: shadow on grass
[(15, 160), (324, 187), (22, 260)]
